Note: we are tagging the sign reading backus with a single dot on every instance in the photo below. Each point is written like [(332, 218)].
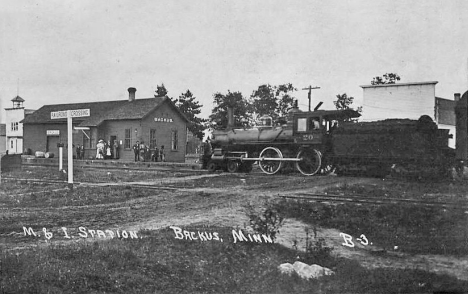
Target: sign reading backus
[(73, 113)]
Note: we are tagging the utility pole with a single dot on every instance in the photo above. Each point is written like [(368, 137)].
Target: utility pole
[(310, 92)]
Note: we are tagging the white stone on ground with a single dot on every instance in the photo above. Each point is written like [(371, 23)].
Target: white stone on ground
[(304, 270)]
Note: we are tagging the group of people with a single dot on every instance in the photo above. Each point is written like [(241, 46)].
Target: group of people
[(143, 153), (106, 150)]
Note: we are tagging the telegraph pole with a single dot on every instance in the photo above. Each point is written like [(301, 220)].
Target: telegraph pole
[(310, 92)]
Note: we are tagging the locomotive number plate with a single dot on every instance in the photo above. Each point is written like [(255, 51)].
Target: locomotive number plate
[(307, 137)]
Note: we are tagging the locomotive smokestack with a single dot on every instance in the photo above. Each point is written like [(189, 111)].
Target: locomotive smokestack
[(230, 114), (456, 97)]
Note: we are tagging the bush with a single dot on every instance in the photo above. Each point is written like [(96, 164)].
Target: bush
[(265, 220)]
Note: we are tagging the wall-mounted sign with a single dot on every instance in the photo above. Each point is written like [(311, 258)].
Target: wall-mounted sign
[(163, 119), (53, 132), (70, 113)]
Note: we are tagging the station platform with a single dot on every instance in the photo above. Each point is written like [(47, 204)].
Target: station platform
[(191, 164)]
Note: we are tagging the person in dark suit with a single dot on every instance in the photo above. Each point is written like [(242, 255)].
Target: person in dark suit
[(136, 150), (207, 151), (82, 152), (78, 152), (162, 155)]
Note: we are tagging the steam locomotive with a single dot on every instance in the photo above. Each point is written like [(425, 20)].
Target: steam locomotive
[(321, 141)]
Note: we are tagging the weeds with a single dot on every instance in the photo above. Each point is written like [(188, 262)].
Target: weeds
[(266, 219), (412, 228), (160, 263)]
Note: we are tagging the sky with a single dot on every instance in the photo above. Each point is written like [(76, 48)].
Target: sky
[(68, 51)]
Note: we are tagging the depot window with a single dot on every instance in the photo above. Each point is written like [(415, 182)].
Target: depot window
[(153, 143), (128, 138), (174, 140)]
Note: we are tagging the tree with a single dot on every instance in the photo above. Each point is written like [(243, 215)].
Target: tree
[(285, 100), (239, 104), (263, 101), (191, 108), (344, 102), (161, 91), (388, 78), (272, 100)]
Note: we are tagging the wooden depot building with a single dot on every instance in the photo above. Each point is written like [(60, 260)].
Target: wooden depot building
[(155, 121)]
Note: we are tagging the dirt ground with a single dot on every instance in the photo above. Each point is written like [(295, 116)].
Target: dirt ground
[(212, 199)]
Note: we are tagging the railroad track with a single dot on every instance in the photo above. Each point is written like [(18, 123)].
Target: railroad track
[(92, 184), (360, 199), (313, 197)]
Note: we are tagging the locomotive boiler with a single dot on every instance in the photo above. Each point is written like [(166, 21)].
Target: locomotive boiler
[(318, 142)]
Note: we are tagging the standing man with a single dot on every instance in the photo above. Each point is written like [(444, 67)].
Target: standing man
[(156, 154), (207, 151), (162, 156), (82, 152), (78, 152), (136, 151), (116, 149)]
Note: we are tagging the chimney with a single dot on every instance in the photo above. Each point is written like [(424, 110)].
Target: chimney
[(456, 97), (131, 94), (230, 116)]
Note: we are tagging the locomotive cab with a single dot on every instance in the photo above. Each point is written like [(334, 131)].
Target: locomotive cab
[(315, 126)]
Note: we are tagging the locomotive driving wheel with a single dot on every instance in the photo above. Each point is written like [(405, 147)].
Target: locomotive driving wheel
[(310, 163), (232, 166), (271, 167)]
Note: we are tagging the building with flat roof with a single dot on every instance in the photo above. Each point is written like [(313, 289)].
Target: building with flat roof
[(2, 138), (409, 100)]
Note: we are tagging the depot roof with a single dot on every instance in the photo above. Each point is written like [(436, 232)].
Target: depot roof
[(102, 111)]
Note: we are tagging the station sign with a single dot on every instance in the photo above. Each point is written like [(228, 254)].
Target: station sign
[(163, 119), (70, 113), (53, 132)]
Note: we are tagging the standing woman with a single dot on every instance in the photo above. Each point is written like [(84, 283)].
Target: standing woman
[(100, 150)]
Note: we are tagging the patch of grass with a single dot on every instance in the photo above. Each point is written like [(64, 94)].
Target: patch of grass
[(38, 196), (162, 264), (412, 228), (447, 190), (14, 188), (94, 175)]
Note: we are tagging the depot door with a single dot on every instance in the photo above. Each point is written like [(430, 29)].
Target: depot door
[(52, 142)]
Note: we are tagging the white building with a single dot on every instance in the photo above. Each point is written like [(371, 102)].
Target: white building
[(14, 129), (2, 138), (409, 100)]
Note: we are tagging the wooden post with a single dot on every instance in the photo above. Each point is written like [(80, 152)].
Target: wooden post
[(310, 93), (70, 149), (69, 114)]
